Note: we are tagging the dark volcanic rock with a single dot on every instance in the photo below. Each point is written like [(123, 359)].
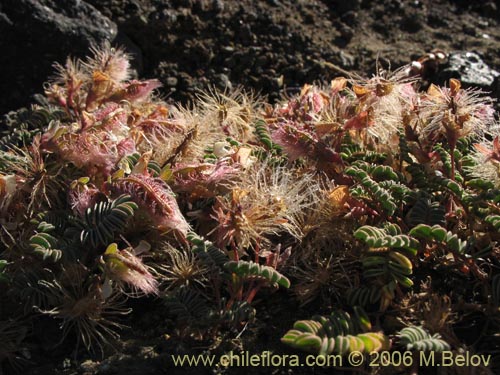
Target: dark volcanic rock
[(35, 33), (269, 46), (470, 69)]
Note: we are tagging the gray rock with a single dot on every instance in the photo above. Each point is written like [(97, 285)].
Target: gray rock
[(470, 69), (88, 366), (343, 6), (41, 32), (347, 60), (171, 81), (223, 81)]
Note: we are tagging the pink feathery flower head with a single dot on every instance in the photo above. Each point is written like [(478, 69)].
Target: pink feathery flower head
[(312, 100), (491, 154), (362, 120), (136, 91), (306, 106), (298, 141), (114, 62), (155, 198), (125, 147), (87, 150), (124, 267), (295, 142), (112, 117), (203, 180), (81, 197)]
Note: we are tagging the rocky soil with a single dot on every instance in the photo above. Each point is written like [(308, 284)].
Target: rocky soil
[(270, 46)]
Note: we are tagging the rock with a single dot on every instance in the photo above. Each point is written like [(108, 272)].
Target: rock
[(39, 32), (246, 33), (105, 367), (346, 32), (347, 60), (66, 363), (469, 30), (88, 366), (218, 6), (147, 352), (343, 6), (489, 9), (495, 91), (5, 21), (275, 3), (171, 81), (412, 22), (261, 61), (470, 69), (223, 81), (350, 18), (228, 49)]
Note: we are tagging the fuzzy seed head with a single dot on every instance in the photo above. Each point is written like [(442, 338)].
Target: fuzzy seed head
[(268, 201), (125, 268)]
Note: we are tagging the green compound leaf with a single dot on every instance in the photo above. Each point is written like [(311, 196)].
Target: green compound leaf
[(22, 125), (384, 172), (250, 270), (425, 212), (262, 132), (379, 193), (388, 237), (493, 220), (103, 221), (239, 312), (495, 290), (3, 266), (448, 184), (364, 295), (186, 304), (384, 259), (418, 339), (46, 246), (337, 333), (439, 234), (480, 184), (207, 252)]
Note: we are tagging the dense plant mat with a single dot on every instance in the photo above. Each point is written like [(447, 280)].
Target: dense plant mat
[(371, 198)]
